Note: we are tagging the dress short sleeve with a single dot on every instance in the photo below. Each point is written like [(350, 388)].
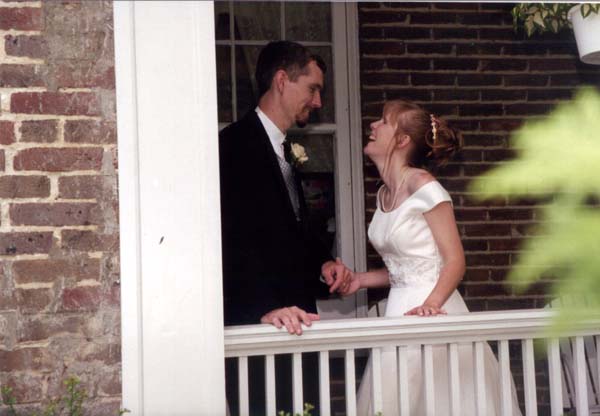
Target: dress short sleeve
[(430, 195)]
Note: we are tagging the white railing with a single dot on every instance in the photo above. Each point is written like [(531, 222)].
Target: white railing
[(374, 334)]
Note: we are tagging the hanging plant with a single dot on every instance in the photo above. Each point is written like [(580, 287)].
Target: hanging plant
[(548, 17)]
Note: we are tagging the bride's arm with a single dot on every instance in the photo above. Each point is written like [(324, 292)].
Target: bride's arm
[(372, 278), (443, 227)]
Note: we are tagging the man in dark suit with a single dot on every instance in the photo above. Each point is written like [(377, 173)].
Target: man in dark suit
[(271, 260)]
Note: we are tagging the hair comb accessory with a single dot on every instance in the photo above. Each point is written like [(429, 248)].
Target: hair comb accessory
[(433, 127)]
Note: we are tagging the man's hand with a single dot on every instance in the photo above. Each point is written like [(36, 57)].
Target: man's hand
[(291, 317), (336, 275)]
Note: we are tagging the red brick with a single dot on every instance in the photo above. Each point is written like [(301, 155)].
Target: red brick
[(81, 299), (404, 33), (42, 327), (445, 64), (2, 160), (89, 241), (20, 18), (54, 214), (492, 259), (62, 103), (40, 131), (432, 79), (512, 244), (454, 33), (475, 230), (110, 385), (430, 48), (7, 132), (25, 243), (90, 131), (24, 186), (432, 19), (387, 16), (26, 388), (20, 76), (472, 80), (34, 300), (485, 290), (80, 187), (109, 354), (84, 75), (50, 270), (24, 359), (476, 275), (59, 159), (24, 45)]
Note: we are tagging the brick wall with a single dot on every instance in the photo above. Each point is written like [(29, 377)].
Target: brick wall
[(59, 271), (464, 62)]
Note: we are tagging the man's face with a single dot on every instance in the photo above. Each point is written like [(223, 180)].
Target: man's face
[(304, 94)]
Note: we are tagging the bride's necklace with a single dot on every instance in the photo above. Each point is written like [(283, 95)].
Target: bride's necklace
[(394, 194)]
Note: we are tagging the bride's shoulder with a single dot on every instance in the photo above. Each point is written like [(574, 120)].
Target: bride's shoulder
[(418, 178)]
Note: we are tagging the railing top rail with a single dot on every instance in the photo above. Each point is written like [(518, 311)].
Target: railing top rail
[(373, 332)]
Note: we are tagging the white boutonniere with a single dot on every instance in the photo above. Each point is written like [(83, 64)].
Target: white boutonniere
[(298, 154)]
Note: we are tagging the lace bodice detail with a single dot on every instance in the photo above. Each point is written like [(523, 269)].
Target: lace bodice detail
[(409, 271), (404, 240)]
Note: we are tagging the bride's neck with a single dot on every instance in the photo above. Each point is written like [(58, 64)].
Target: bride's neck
[(393, 173)]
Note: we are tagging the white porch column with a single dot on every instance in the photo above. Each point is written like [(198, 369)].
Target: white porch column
[(169, 206)]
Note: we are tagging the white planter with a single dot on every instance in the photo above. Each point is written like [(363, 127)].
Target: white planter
[(587, 35)]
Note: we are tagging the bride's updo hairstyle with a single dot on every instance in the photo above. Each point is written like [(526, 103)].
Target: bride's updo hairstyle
[(434, 142)]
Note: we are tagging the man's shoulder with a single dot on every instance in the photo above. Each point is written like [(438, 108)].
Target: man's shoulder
[(244, 127)]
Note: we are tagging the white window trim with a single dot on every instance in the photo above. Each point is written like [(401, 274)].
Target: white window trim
[(171, 293)]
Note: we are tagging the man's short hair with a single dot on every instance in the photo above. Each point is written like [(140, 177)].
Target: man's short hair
[(292, 57)]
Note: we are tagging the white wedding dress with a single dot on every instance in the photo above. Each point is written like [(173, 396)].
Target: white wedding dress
[(405, 242)]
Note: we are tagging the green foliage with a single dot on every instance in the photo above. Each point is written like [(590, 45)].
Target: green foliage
[(71, 404), (8, 399), (558, 157), (307, 411), (547, 17)]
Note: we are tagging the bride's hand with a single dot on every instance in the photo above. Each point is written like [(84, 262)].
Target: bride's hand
[(352, 286), (426, 310)]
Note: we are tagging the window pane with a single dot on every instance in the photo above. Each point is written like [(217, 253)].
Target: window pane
[(247, 91), (317, 176), (224, 83), (309, 21), (221, 20), (256, 20), (326, 114)]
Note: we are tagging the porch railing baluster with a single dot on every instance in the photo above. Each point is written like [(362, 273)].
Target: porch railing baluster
[(505, 385), (427, 369), (479, 376), (350, 384), (597, 369), (554, 370), (581, 390), (529, 377), (324, 383), (297, 395), (376, 392), (454, 379), (243, 385), (403, 381), (270, 384), (581, 359)]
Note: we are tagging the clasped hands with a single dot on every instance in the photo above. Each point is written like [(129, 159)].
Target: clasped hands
[(336, 275)]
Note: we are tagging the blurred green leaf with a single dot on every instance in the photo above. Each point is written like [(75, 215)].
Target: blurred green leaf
[(558, 156)]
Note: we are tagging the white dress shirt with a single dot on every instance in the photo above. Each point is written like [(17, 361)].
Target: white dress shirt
[(276, 136)]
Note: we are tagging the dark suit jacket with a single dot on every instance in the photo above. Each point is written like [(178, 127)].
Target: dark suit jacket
[(270, 260)]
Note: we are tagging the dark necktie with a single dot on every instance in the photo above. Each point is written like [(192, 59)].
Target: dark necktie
[(288, 177)]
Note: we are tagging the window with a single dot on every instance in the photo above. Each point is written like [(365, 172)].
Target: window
[(333, 189)]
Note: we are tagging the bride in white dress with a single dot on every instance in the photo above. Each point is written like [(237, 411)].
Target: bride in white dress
[(415, 233)]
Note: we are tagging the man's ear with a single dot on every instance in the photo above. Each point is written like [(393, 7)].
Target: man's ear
[(279, 80)]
